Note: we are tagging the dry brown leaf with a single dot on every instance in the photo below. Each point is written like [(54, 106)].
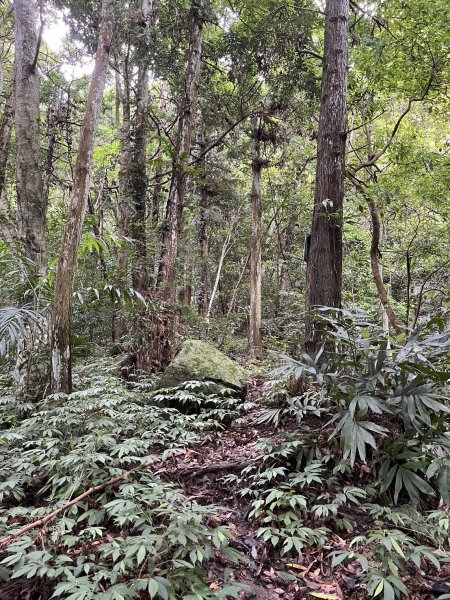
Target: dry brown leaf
[(296, 566), (215, 585)]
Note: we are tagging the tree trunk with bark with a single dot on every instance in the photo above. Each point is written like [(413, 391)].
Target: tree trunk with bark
[(53, 122), (324, 269), (123, 212), (5, 138), (61, 318), (376, 267), (174, 210), (138, 175), (6, 228), (225, 249), (31, 206), (203, 238), (123, 123), (164, 327), (255, 338)]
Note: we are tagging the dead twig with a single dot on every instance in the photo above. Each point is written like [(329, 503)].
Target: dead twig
[(92, 490)]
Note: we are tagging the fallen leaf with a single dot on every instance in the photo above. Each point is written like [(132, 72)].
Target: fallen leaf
[(215, 585), (296, 566), (324, 596)]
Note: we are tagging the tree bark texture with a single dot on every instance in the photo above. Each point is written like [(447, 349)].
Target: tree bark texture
[(31, 206), (173, 220), (138, 175), (203, 238), (255, 251), (53, 122), (61, 319), (123, 213), (324, 269), (5, 138)]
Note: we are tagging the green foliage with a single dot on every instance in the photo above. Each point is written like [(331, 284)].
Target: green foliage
[(214, 403), (387, 425), (18, 325), (373, 385), (142, 535)]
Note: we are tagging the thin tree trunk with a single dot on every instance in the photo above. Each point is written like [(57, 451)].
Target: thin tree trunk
[(6, 227), (53, 114), (61, 319), (375, 255), (5, 138), (157, 189), (203, 238), (31, 207), (324, 269), (174, 210), (224, 252), (255, 252), (238, 284), (123, 216), (375, 265)]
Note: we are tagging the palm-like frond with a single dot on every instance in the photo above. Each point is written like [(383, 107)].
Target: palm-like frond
[(17, 324)]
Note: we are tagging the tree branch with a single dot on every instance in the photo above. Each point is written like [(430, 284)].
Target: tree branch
[(92, 490), (39, 40), (379, 154)]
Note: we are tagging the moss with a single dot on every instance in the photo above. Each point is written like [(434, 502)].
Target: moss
[(200, 361)]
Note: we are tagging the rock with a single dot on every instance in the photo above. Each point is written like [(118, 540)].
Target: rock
[(200, 361)]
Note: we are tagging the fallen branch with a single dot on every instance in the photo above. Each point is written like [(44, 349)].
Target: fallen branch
[(44, 520)]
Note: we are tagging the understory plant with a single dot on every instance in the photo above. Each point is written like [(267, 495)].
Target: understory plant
[(374, 468), (98, 457)]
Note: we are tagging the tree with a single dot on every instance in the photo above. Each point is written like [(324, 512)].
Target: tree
[(256, 241), (60, 325), (138, 175), (324, 272), (174, 210), (6, 126), (31, 207)]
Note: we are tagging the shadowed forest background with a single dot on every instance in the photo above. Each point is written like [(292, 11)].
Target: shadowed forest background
[(224, 299)]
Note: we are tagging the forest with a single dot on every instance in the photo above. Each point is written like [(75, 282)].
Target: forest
[(224, 299)]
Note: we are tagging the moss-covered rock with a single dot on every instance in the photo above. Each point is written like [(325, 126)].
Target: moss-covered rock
[(200, 361)]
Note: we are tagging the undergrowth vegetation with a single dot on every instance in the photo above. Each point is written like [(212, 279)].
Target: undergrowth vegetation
[(140, 533), (375, 467), (356, 467)]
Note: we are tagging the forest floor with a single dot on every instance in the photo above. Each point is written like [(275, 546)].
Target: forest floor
[(200, 471), (208, 472)]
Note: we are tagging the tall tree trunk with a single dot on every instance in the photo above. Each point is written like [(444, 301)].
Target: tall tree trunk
[(174, 210), (61, 319), (6, 228), (255, 251), (157, 200), (138, 179), (5, 138), (123, 210), (31, 207), (123, 213), (324, 269), (225, 249), (157, 189), (203, 238)]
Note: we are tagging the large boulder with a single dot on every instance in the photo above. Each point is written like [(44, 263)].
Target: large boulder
[(200, 361)]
